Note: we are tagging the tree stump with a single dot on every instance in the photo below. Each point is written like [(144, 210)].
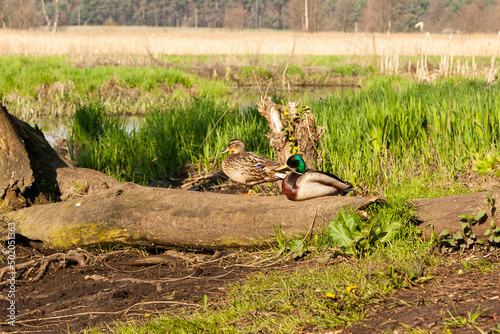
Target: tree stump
[(29, 164), (293, 130)]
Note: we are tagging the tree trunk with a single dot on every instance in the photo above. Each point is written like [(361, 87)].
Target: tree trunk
[(293, 130), (44, 11), (56, 16)]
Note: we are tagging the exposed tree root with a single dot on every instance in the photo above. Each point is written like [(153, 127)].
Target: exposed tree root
[(77, 255)]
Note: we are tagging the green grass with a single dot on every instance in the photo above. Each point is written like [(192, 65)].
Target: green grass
[(287, 301), (54, 86), (166, 140), (395, 137), (26, 74)]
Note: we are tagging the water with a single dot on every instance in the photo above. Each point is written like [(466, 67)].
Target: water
[(56, 129)]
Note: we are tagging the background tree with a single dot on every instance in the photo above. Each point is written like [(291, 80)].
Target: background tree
[(346, 13), (236, 16), (437, 16), (376, 16), (468, 19), (323, 15), (20, 14), (295, 11)]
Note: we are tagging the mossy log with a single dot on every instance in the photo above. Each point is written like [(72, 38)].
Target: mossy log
[(129, 214)]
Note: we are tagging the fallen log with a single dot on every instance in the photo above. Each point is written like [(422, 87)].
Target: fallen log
[(98, 210), (444, 213), (129, 214)]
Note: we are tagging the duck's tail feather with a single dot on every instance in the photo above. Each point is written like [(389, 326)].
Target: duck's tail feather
[(348, 190)]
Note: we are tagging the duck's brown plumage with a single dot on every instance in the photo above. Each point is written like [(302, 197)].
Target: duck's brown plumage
[(248, 168)]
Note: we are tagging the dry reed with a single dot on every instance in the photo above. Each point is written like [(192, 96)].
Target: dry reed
[(146, 41)]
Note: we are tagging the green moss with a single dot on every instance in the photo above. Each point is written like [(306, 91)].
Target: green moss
[(91, 233)]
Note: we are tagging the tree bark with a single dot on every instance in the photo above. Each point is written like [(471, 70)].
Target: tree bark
[(46, 17), (29, 163), (14, 160), (56, 16)]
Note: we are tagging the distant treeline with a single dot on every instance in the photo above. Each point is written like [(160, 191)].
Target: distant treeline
[(449, 16)]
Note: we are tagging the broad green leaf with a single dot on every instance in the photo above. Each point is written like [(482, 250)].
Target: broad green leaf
[(339, 234), (351, 222), (390, 231), (296, 246)]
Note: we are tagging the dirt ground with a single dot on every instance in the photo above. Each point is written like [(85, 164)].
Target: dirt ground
[(129, 285), (115, 285)]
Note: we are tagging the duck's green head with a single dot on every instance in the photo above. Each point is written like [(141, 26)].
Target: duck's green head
[(296, 162)]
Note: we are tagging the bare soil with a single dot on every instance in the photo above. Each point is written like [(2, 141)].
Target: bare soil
[(132, 285)]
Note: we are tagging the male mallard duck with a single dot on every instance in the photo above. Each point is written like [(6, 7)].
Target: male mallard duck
[(249, 168), (303, 183)]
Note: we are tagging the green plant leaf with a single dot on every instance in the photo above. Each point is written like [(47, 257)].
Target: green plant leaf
[(339, 233), (424, 279), (351, 222), (297, 246), (444, 233), (466, 217), (480, 215), (390, 231)]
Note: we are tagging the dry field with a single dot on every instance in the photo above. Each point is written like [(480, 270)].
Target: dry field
[(112, 41)]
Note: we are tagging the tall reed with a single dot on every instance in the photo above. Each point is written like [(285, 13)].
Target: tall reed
[(393, 137), (383, 137), (166, 140)]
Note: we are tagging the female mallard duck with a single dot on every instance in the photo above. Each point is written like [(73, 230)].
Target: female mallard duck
[(303, 183), (249, 168)]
